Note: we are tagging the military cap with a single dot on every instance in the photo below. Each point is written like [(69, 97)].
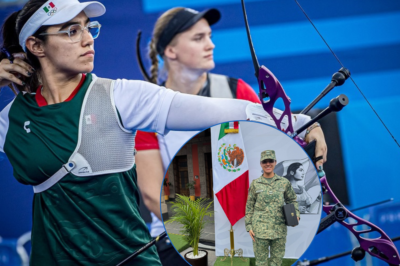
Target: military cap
[(268, 154)]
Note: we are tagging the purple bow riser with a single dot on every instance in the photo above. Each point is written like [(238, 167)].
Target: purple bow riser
[(272, 89), (382, 247)]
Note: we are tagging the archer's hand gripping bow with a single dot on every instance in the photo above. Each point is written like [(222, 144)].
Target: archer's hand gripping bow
[(270, 91)]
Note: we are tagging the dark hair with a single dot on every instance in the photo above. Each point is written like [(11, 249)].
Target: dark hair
[(10, 32), (292, 168)]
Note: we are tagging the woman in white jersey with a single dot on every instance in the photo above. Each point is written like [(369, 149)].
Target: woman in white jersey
[(182, 37)]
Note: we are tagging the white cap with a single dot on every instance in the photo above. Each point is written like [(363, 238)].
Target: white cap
[(55, 12)]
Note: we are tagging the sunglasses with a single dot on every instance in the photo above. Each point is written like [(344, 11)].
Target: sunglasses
[(267, 161)]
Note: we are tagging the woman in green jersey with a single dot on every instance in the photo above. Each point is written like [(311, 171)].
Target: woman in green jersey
[(70, 134)]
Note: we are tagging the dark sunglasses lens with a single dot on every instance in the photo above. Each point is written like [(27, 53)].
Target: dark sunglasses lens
[(268, 161)]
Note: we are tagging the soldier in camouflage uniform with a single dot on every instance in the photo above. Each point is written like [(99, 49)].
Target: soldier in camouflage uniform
[(264, 216)]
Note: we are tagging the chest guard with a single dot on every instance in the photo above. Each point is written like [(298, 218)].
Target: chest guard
[(171, 143), (219, 86), (103, 146)]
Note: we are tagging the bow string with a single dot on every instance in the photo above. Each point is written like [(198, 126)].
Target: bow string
[(340, 62)]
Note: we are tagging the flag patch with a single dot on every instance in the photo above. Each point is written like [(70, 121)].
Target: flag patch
[(50, 9)]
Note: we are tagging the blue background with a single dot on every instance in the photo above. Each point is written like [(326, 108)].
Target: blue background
[(365, 35)]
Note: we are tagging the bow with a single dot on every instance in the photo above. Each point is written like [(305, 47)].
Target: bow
[(270, 90), (139, 57), (142, 249)]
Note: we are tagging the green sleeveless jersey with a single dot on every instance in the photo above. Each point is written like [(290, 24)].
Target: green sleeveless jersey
[(80, 220)]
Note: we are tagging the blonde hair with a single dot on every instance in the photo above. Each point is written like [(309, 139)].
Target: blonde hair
[(159, 27)]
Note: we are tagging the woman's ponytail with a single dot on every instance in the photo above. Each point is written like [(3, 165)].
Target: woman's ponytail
[(159, 27), (154, 62)]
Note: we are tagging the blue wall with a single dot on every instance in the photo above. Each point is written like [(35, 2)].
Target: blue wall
[(365, 35)]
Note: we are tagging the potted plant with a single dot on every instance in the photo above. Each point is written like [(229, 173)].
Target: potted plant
[(190, 185), (190, 214), (166, 184)]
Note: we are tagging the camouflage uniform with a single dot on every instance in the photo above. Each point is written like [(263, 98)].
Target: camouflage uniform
[(264, 216)]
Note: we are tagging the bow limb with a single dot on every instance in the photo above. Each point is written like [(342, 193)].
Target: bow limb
[(142, 249), (270, 89), (139, 58), (382, 247)]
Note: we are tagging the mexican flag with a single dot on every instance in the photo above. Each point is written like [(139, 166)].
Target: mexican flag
[(231, 172), (48, 8)]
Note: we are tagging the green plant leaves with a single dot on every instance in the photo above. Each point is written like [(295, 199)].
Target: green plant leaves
[(190, 214)]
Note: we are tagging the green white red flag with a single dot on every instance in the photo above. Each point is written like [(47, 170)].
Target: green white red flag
[(49, 7), (231, 172)]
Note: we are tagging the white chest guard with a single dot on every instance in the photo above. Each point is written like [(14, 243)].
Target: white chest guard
[(171, 143), (219, 86), (104, 146)]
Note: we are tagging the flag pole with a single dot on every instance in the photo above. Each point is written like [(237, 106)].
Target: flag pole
[(231, 253), (232, 241), (233, 157)]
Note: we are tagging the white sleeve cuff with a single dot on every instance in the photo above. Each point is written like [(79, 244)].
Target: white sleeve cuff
[(299, 121)]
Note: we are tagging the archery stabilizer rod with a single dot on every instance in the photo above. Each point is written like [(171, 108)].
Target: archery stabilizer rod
[(328, 258), (152, 242), (371, 205), (339, 213), (338, 79), (335, 105), (322, 259)]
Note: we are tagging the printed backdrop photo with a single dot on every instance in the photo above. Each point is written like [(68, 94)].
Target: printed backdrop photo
[(236, 163)]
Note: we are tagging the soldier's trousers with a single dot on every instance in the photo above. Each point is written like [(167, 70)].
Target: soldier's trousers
[(276, 249)]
